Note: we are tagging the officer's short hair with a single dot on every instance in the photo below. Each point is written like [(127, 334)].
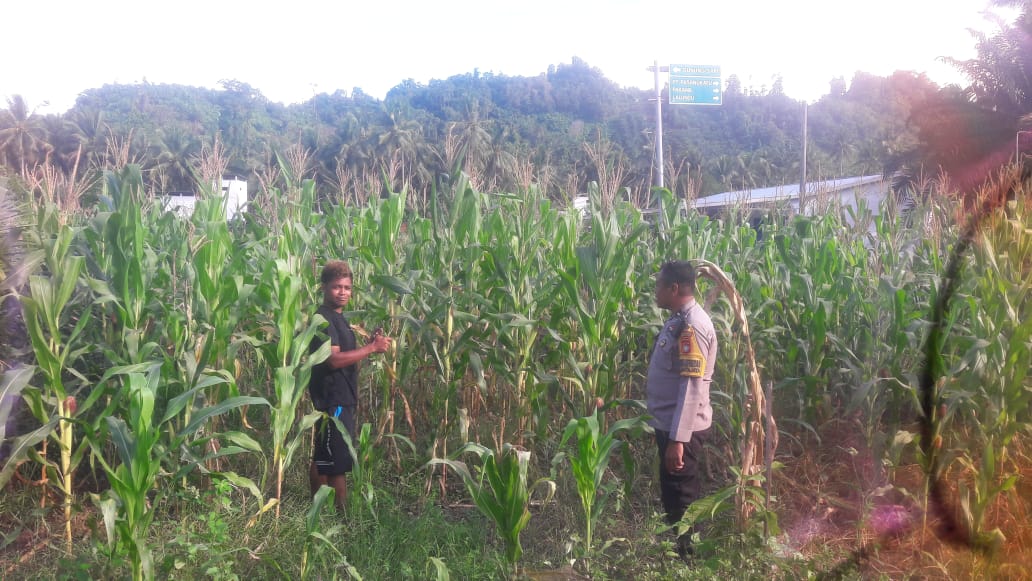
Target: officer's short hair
[(680, 271), (334, 270)]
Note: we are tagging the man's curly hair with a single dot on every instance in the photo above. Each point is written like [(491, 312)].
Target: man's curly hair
[(334, 270)]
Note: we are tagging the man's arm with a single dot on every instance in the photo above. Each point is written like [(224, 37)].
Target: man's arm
[(339, 359)]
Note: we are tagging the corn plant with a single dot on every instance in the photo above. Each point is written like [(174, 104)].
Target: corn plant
[(589, 462), (450, 346), (219, 291), (366, 455), (123, 265), (48, 319), (747, 489), (596, 283), (128, 508), (902, 259), (519, 294), (16, 263), (753, 427), (12, 382), (500, 490), (444, 301), (990, 395), (212, 291), (288, 352), (319, 541)]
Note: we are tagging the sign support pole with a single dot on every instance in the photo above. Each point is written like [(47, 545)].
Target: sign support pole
[(689, 85), (657, 147)]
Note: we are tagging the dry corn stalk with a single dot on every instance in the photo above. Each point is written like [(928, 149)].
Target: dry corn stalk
[(753, 428)]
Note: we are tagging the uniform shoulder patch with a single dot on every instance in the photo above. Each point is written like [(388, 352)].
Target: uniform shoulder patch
[(693, 364)]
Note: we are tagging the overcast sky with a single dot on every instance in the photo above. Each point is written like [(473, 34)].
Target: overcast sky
[(54, 49)]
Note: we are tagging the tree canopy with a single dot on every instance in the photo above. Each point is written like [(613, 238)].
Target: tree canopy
[(551, 129)]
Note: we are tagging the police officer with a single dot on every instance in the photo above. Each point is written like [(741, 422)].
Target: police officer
[(678, 391)]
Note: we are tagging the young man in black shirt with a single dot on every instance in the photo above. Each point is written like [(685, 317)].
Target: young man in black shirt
[(334, 383)]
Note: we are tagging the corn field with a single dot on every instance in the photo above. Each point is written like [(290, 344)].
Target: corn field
[(167, 356)]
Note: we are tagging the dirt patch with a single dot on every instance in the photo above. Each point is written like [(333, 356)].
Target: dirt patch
[(835, 496)]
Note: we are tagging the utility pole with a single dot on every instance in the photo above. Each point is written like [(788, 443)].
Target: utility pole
[(657, 153), (802, 175), (689, 85)]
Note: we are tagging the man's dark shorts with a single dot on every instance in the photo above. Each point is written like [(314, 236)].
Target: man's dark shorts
[(331, 455)]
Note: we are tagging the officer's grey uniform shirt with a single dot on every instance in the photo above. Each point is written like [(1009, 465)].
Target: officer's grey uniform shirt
[(681, 405)]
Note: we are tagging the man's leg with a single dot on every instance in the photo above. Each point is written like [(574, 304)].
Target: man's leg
[(680, 489), (341, 456), (321, 455), (315, 480), (339, 482)]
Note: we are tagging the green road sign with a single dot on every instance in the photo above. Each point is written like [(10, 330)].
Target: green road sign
[(695, 85)]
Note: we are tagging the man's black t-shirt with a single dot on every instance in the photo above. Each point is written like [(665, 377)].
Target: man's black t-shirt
[(329, 387)]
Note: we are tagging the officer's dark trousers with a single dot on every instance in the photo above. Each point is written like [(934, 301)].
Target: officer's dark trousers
[(678, 490)]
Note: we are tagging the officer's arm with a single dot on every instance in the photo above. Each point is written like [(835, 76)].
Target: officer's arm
[(693, 366), (688, 402)]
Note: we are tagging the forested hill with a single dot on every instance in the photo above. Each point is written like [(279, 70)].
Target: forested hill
[(561, 129)]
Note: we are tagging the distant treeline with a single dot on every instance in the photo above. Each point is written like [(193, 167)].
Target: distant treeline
[(559, 130)]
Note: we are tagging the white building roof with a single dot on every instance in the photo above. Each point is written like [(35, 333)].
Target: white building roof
[(786, 192)]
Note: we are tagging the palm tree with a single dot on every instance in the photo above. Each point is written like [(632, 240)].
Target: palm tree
[(64, 143), (725, 169), (335, 136), (499, 162), (1001, 74), (970, 133), (474, 140), (402, 136), (172, 154), (92, 131), (22, 136), (398, 150), (13, 337), (759, 170)]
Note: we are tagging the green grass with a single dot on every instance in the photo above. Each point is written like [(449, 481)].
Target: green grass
[(202, 532), (205, 534)]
